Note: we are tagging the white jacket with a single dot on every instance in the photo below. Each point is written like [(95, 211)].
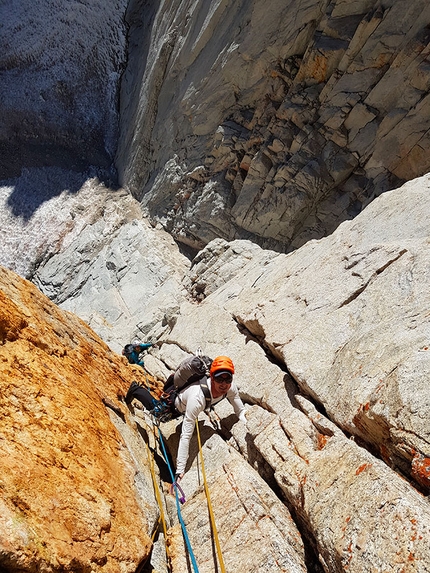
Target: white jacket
[(191, 402)]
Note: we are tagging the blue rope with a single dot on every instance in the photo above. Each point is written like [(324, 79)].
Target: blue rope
[(178, 507)]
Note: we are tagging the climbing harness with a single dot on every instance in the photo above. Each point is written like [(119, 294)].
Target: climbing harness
[(211, 514), (161, 411), (164, 409)]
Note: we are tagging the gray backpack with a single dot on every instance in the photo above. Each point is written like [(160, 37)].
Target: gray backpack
[(191, 370)]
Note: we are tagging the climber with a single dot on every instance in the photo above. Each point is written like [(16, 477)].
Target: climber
[(193, 399), (132, 352)]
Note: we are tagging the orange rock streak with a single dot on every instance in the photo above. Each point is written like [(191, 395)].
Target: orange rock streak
[(66, 497)]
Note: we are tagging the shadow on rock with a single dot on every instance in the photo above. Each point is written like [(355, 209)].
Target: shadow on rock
[(37, 186)]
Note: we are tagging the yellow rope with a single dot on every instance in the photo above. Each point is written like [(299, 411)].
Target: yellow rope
[(211, 514), (159, 501), (155, 530)]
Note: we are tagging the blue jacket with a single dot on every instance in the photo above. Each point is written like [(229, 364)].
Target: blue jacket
[(132, 354)]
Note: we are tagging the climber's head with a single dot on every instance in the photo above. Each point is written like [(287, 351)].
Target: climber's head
[(222, 370)]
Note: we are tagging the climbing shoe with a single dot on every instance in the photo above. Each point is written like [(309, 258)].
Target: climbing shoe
[(130, 394)]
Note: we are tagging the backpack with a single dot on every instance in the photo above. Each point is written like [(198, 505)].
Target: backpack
[(128, 349), (191, 370)]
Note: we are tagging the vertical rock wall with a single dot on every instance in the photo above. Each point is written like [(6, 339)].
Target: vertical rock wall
[(274, 125), (67, 487)]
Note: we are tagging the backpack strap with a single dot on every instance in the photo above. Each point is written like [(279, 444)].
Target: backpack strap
[(207, 394), (170, 393)]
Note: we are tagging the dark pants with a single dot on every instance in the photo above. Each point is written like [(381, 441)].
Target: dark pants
[(164, 409), (143, 396)]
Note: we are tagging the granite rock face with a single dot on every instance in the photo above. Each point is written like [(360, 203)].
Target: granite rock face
[(346, 317), (225, 119), (375, 521), (78, 488), (272, 125), (330, 345), (45, 209), (237, 122)]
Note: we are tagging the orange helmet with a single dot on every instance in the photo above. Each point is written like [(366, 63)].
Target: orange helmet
[(222, 364)]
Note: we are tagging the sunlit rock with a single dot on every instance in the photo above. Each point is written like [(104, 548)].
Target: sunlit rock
[(68, 498)]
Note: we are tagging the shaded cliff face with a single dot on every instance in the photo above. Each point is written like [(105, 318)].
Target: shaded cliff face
[(60, 68), (67, 481), (235, 121), (272, 125)]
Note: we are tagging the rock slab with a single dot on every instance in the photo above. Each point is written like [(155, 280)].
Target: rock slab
[(68, 499)]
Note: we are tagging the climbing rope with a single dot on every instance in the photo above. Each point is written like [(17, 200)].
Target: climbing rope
[(178, 507), (160, 505), (211, 513)]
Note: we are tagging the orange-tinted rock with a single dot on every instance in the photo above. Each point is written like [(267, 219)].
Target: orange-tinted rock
[(66, 496), (421, 470)]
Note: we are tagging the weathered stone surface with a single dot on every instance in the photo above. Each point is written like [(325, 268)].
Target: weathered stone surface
[(218, 263), (375, 522), (44, 210), (237, 122), (90, 250), (246, 510), (247, 513), (272, 125), (61, 64), (355, 335), (121, 286), (68, 499), (343, 321), (347, 316)]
